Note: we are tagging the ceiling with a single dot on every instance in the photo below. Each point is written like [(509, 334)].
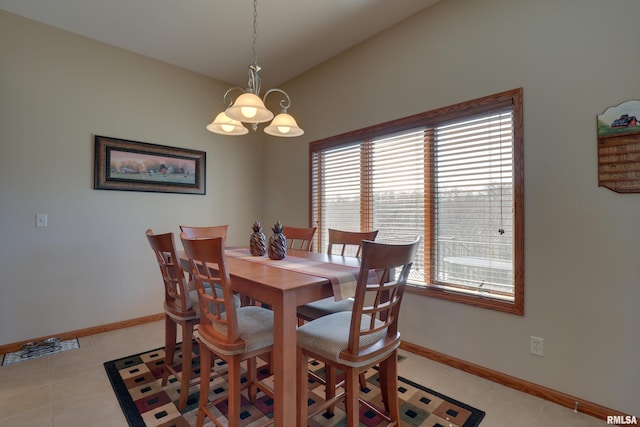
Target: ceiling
[(214, 37)]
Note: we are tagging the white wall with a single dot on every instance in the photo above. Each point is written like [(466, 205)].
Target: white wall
[(573, 59), (92, 265)]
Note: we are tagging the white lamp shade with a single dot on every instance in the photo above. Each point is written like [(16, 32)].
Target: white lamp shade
[(284, 125), (226, 126), (249, 108)]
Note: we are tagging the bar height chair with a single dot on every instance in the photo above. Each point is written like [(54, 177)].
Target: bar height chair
[(234, 334), (300, 238), (180, 308), (364, 337), (340, 243), (200, 232)]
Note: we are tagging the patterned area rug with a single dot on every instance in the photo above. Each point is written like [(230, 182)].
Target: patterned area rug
[(136, 383)]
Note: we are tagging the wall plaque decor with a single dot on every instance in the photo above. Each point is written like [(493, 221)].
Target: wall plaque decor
[(138, 166), (619, 147)]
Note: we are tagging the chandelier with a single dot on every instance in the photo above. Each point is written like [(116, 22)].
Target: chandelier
[(250, 108)]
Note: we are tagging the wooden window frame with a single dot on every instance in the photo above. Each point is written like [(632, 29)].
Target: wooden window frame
[(432, 119)]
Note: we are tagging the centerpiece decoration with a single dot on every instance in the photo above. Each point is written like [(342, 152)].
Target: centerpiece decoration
[(258, 242), (277, 242)]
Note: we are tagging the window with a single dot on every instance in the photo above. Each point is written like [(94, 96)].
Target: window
[(453, 175)]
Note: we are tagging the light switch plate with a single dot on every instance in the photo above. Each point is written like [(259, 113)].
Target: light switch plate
[(41, 220)]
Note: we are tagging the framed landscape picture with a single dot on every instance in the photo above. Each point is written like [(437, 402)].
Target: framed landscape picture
[(138, 166)]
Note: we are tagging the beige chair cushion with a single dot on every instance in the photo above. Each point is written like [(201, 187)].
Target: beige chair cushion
[(317, 309), (328, 336), (256, 329)]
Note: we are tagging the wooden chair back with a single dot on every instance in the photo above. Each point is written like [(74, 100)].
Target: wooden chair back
[(299, 237), (217, 306), (377, 305), (176, 293), (348, 242), (200, 232)]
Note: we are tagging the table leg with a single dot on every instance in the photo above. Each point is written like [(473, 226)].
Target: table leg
[(284, 362)]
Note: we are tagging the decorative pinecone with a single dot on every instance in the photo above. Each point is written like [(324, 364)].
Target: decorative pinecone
[(277, 242), (258, 242)]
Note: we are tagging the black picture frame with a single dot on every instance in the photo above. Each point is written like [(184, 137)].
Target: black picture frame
[(125, 165)]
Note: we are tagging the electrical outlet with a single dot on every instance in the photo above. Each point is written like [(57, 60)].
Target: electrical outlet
[(536, 346)]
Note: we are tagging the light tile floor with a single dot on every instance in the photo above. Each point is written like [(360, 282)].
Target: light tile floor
[(71, 388)]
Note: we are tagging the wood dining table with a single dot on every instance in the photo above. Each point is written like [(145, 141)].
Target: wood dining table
[(284, 285)]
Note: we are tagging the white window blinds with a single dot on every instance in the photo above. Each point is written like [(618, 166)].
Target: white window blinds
[(335, 191), (397, 186), (473, 210), (453, 176)]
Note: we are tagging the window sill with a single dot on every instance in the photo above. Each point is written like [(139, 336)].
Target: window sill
[(469, 299)]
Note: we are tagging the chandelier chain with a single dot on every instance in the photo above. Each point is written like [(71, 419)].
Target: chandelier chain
[(255, 31)]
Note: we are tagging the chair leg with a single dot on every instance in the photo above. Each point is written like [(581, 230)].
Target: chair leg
[(187, 369), (234, 398), (331, 381), (330, 377), (170, 332), (205, 360), (353, 392), (363, 380), (302, 376), (269, 359), (389, 385), (252, 376)]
